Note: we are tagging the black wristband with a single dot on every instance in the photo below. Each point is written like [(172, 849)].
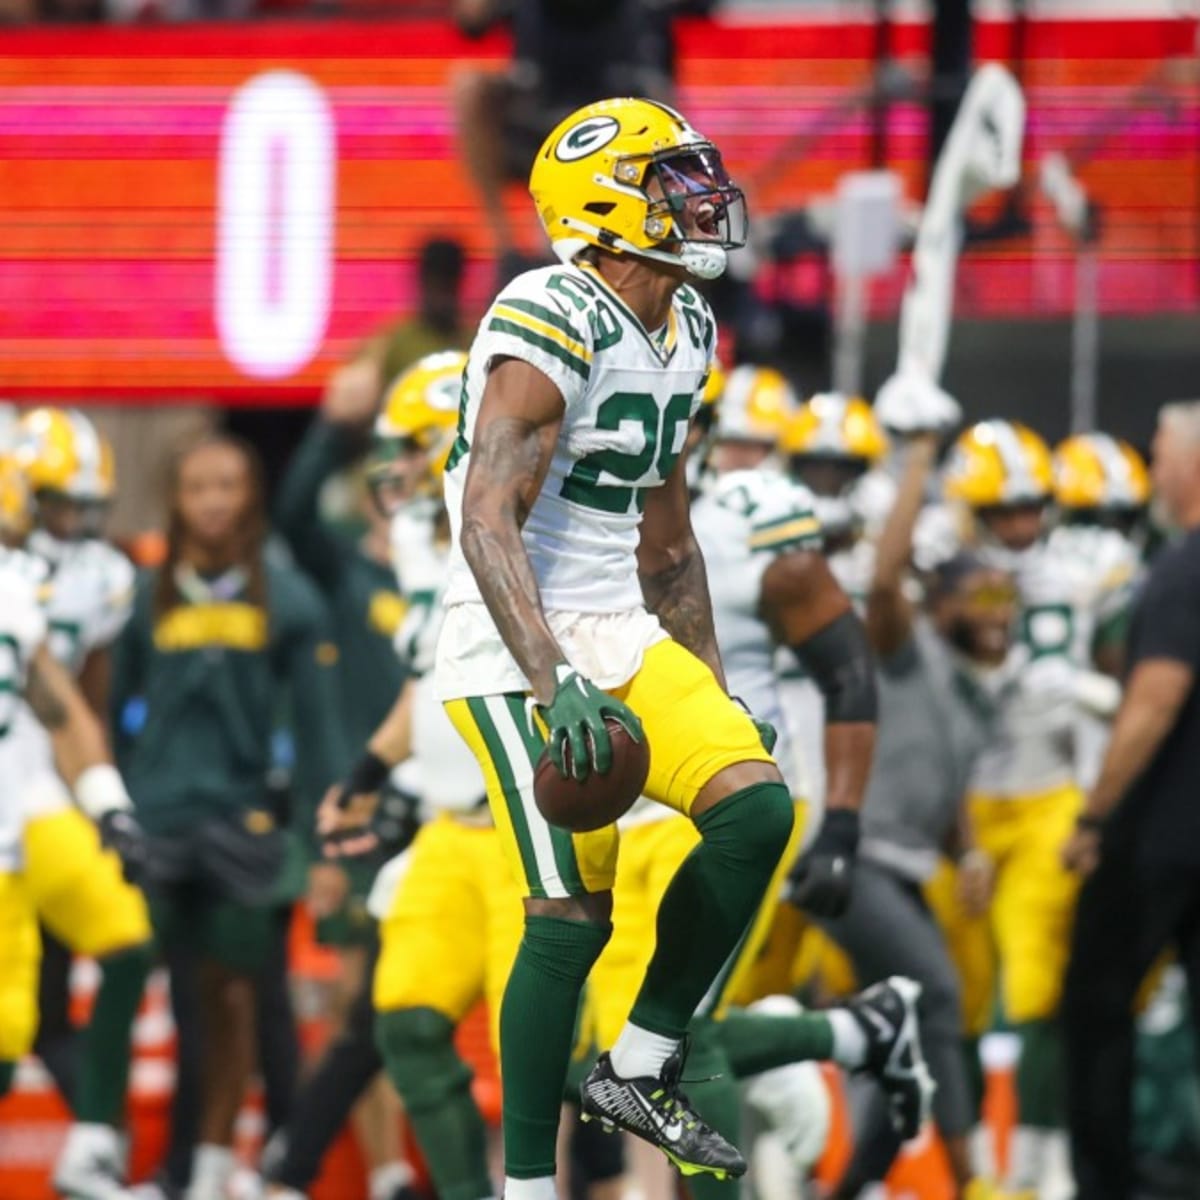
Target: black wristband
[(368, 775), (1092, 824)]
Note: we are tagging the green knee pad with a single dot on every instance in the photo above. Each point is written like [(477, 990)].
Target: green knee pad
[(417, 1045)]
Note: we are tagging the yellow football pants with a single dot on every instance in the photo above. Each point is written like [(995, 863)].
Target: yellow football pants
[(20, 958), (77, 889), (455, 922), (651, 853), (1025, 939), (692, 727)]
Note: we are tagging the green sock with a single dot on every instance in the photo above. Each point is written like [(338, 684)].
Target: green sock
[(8, 1071), (417, 1045), (107, 1048), (710, 902), (1040, 1075), (716, 1098), (537, 1033), (757, 1042)]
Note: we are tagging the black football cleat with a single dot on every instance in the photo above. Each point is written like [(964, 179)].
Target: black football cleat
[(887, 1014), (659, 1113)]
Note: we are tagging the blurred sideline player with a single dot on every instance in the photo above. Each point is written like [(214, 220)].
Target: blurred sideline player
[(77, 886), (449, 908), (356, 574), (758, 533), (1025, 793), (577, 593), (1101, 488)]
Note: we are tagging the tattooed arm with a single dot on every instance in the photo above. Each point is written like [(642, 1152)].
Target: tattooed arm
[(671, 570), (75, 733), (515, 431)]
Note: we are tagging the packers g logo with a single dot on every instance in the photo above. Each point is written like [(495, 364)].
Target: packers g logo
[(588, 136)]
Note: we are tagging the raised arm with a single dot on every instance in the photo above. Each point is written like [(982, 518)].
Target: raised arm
[(889, 616), (515, 431), (671, 570)]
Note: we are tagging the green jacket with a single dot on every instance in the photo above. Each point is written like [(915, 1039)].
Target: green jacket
[(363, 599), (196, 694)]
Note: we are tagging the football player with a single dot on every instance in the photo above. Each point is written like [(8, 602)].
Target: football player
[(577, 592), (1101, 488), (1025, 787), (833, 446), (449, 908), (77, 884)]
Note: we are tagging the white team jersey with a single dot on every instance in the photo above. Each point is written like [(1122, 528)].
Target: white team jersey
[(630, 397), (1071, 583), (22, 631), (442, 769), (743, 522), (89, 598)]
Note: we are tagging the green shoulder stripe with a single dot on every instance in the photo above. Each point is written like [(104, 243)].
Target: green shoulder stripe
[(498, 325), (549, 315)]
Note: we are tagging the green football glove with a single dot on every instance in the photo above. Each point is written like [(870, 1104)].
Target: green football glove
[(575, 716), (767, 733)]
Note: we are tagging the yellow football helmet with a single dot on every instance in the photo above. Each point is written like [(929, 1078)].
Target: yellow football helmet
[(755, 405), (1096, 471), (835, 427), (62, 452), (995, 464), (419, 413), (632, 176), (16, 508)]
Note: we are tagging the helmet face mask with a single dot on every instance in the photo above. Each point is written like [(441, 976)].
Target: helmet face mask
[(693, 200), (68, 518), (397, 474)]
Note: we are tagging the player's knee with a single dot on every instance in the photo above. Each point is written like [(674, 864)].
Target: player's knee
[(754, 824), (417, 1045)]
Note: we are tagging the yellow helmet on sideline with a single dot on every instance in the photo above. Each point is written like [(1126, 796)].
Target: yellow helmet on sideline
[(833, 426), (1096, 471), (419, 412), (755, 406), (61, 451), (998, 463)]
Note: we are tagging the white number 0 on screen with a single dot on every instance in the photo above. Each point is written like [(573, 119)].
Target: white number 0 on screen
[(275, 213)]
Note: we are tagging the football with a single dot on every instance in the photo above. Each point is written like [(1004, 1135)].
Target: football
[(600, 799)]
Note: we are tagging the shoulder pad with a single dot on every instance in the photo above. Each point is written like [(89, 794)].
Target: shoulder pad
[(781, 513)]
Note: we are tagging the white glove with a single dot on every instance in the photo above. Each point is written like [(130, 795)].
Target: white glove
[(910, 403)]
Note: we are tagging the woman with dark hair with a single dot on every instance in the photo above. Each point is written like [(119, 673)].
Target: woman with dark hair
[(221, 642)]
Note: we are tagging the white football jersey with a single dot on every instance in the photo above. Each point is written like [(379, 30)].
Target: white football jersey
[(87, 599), (630, 396), (442, 769), (90, 595), (22, 631), (1071, 584), (743, 522)]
